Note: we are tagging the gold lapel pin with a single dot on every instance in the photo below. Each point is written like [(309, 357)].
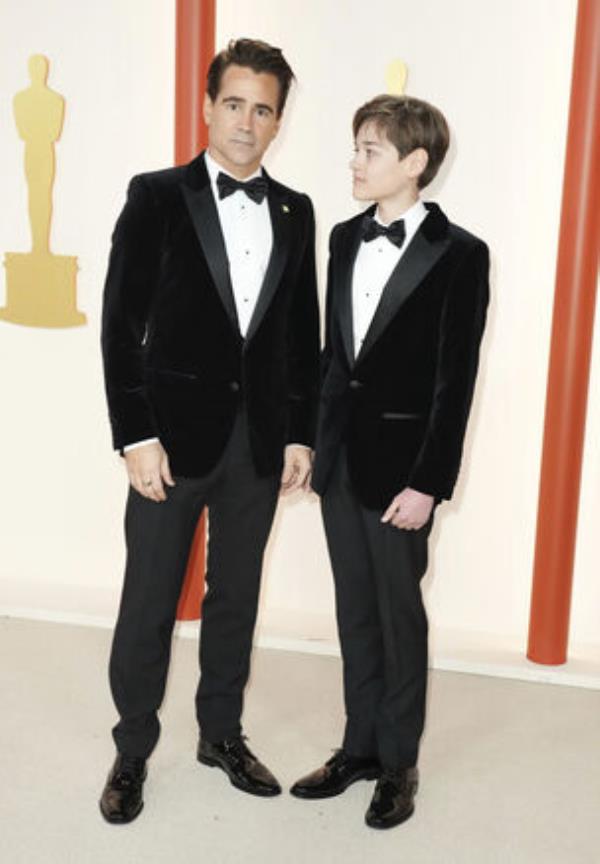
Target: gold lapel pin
[(285, 208)]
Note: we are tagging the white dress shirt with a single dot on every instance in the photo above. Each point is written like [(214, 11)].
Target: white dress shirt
[(248, 236), (373, 267)]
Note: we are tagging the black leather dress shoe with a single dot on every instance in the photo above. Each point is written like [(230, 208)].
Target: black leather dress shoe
[(241, 766), (335, 776), (121, 799), (393, 801)]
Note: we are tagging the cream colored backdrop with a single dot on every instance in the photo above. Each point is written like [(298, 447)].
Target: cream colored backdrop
[(501, 72)]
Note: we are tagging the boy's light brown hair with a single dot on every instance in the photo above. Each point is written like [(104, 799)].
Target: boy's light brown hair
[(408, 123)]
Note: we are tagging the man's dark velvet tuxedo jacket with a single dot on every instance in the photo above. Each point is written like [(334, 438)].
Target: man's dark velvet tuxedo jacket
[(176, 365), (401, 405)]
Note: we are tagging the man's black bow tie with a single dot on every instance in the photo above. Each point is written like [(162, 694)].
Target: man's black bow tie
[(255, 189), (395, 233)]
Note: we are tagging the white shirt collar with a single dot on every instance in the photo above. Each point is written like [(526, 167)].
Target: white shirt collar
[(412, 217), (213, 168)]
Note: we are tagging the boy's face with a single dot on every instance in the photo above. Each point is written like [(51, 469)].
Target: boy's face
[(378, 173), (242, 121)]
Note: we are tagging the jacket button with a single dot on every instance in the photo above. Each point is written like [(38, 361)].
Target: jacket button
[(355, 384), (234, 386)]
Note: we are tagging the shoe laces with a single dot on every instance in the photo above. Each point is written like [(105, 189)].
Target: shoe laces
[(129, 769), (398, 778), (237, 747), (339, 758)]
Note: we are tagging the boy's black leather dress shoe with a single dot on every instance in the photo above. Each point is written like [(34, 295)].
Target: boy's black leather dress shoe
[(121, 799), (393, 800), (335, 776), (241, 766)]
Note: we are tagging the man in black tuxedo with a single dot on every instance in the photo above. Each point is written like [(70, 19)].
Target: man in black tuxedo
[(406, 307), (211, 343)]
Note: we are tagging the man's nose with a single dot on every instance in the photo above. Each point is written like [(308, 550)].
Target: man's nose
[(245, 119)]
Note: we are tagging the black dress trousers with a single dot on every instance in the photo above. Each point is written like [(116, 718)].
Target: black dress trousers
[(382, 624), (158, 537)]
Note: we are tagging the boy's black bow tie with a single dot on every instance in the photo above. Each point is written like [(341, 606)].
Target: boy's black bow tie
[(255, 189), (395, 233)]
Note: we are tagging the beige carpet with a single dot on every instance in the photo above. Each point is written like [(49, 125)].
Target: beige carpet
[(510, 770)]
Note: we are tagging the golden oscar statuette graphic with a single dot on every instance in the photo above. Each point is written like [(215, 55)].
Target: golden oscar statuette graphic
[(41, 288), (395, 77)]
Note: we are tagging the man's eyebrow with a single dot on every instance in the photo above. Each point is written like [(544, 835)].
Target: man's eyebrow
[(239, 101), (369, 143)]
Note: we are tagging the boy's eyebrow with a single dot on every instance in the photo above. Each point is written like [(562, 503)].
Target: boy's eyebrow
[(370, 143)]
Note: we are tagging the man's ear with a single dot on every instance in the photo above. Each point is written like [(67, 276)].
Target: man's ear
[(417, 162), (276, 128), (207, 109)]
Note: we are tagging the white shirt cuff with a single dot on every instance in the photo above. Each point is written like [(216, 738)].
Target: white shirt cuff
[(137, 444)]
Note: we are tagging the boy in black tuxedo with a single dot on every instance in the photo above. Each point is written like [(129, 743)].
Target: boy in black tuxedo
[(406, 307)]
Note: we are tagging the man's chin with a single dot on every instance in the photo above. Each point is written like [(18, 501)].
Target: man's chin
[(243, 153), (243, 161)]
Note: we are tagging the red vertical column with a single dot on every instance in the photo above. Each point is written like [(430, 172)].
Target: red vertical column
[(195, 48), (570, 352)]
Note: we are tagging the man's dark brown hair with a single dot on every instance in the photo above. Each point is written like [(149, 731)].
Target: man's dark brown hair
[(255, 55), (408, 123)]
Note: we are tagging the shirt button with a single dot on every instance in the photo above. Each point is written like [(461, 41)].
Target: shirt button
[(247, 251), (245, 299), (234, 386)]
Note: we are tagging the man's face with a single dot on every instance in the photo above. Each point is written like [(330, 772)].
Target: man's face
[(242, 121), (378, 173)]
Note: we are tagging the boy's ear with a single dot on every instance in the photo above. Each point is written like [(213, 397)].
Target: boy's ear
[(417, 162)]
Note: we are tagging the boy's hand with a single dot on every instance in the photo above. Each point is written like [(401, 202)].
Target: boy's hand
[(409, 510), (296, 469)]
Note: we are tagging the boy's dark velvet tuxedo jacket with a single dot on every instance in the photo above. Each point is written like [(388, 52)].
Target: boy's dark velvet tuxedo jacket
[(401, 405), (176, 365)]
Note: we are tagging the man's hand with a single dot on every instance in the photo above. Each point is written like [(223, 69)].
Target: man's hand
[(409, 510), (148, 467), (297, 467)]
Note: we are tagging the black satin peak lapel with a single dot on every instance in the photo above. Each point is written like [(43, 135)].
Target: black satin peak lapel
[(423, 252), (203, 212), (347, 257), (281, 219)]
